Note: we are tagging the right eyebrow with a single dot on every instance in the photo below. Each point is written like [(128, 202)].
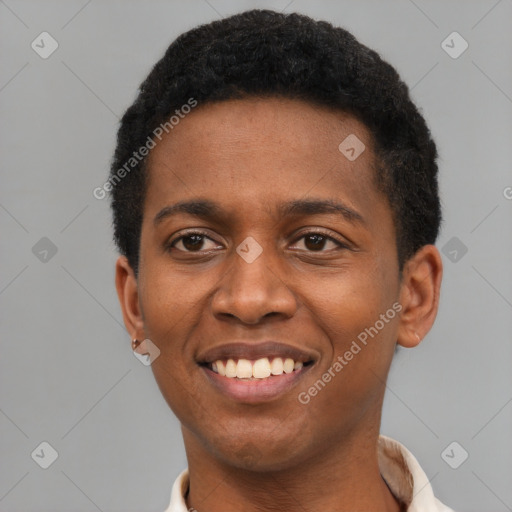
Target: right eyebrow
[(199, 208)]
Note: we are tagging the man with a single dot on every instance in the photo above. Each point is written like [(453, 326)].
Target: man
[(275, 203)]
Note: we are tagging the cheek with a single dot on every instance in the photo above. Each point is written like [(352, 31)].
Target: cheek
[(168, 312), (173, 303), (350, 381), (352, 301), (171, 300), (355, 311), (171, 309)]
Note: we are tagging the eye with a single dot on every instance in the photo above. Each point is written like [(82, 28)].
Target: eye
[(316, 241), (193, 241)]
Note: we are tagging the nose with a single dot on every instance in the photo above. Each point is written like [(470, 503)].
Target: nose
[(252, 291)]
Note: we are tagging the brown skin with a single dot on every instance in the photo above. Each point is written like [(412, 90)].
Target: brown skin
[(249, 156)]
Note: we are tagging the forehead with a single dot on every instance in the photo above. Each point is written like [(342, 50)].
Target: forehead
[(263, 151)]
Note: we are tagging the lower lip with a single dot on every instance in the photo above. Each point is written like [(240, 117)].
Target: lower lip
[(255, 390)]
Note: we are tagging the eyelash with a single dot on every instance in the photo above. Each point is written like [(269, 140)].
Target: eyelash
[(341, 245)]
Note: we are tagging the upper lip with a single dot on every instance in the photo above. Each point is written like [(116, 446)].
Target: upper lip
[(252, 350)]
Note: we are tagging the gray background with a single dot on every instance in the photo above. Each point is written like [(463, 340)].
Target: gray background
[(67, 373)]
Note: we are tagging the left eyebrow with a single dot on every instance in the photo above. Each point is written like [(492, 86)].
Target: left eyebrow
[(320, 206), (208, 210)]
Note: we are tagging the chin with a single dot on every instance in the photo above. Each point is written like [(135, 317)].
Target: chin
[(258, 453)]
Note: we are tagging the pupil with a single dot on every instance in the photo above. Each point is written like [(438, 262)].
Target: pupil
[(197, 242), (318, 241)]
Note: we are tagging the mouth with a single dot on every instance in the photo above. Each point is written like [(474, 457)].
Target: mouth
[(255, 373)]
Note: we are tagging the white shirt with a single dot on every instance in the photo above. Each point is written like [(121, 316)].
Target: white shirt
[(398, 466)]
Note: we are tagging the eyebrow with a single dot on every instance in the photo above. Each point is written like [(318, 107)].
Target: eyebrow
[(209, 210)]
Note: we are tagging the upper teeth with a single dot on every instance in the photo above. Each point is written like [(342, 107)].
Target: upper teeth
[(259, 369)]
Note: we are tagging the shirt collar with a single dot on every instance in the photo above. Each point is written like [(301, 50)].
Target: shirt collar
[(398, 466)]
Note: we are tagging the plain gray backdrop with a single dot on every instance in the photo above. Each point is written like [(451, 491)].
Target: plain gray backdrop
[(68, 376)]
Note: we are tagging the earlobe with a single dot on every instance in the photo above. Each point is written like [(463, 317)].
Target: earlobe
[(419, 295), (128, 295)]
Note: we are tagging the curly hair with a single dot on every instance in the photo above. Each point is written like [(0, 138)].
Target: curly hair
[(263, 53)]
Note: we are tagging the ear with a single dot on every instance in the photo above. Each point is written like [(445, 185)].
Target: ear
[(128, 294), (419, 295)]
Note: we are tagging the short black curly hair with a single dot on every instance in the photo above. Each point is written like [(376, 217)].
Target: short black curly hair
[(261, 53)]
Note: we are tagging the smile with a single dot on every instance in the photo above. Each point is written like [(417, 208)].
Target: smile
[(255, 372)]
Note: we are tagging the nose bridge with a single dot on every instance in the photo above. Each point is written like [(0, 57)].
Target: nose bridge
[(252, 287), (252, 266)]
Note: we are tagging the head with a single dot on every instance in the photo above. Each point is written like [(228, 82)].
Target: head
[(287, 193)]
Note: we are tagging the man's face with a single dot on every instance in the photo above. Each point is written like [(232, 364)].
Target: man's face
[(320, 279)]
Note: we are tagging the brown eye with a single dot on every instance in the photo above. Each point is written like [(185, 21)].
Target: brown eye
[(192, 242), (315, 242)]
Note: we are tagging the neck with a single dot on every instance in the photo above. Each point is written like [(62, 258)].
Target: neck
[(345, 477)]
